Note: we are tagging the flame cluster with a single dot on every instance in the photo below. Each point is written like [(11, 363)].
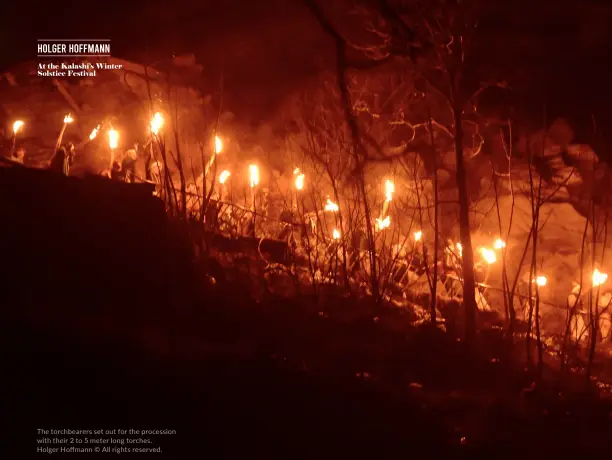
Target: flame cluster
[(156, 123), (330, 206)]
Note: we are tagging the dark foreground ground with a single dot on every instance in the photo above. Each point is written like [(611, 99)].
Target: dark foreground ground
[(284, 385), (105, 323)]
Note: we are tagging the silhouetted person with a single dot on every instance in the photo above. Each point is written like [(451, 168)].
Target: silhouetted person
[(18, 155), (117, 172), (128, 165), (62, 160)]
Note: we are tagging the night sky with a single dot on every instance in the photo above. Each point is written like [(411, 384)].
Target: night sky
[(268, 48)]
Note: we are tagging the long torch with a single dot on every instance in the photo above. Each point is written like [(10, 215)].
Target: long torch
[(16, 128), (253, 182), (113, 141), (156, 123), (222, 179), (67, 120), (299, 185), (389, 190), (218, 149)]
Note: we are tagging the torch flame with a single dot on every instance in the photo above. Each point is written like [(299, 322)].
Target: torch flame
[(488, 255), (113, 139), (599, 278), (331, 206), (299, 181), (94, 133), (253, 175), (17, 126), (218, 145), (389, 190), (223, 176), (68, 119), (156, 123), (499, 244), (383, 223), (459, 247), (336, 234), (418, 235), (540, 280)]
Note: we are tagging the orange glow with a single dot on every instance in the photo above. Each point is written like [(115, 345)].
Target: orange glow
[(336, 234), (113, 139), (17, 126), (488, 255), (499, 244), (218, 145), (418, 235), (331, 206), (381, 224), (156, 123), (223, 176), (389, 190), (253, 175), (599, 278), (68, 119), (94, 133)]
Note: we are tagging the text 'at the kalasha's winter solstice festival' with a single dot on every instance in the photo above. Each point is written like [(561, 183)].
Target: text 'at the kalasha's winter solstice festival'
[(73, 57)]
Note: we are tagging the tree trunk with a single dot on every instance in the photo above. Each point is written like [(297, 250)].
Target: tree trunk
[(469, 286)]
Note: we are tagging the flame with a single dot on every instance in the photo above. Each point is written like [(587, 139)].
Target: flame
[(599, 278), (299, 181), (488, 255), (253, 175), (383, 223), (113, 139), (499, 244), (418, 235), (223, 176), (336, 234), (389, 190), (459, 247), (540, 280), (218, 145), (331, 206), (94, 133), (17, 126), (156, 123), (68, 119)]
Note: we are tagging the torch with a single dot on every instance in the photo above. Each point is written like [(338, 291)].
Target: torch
[(67, 120), (218, 149), (113, 141), (299, 185), (222, 179), (155, 125), (16, 127), (253, 182), (389, 189), (490, 258)]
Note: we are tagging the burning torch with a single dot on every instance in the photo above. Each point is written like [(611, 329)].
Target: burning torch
[(218, 149), (16, 128), (222, 179), (113, 141), (155, 126), (67, 120), (253, 182), (299, 185)]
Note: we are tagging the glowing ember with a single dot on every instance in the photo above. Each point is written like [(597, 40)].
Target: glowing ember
[(541, 280), (331, 206), (156, 123), (218, 145), (459, 247), (418, 235), (94, 133), (223, 176), (336, 234), (253, 175), (68, 119), (488, 255), (599, 278), (299, 181), (113, 139), (389, 189), (383, 223), (499, 244)]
